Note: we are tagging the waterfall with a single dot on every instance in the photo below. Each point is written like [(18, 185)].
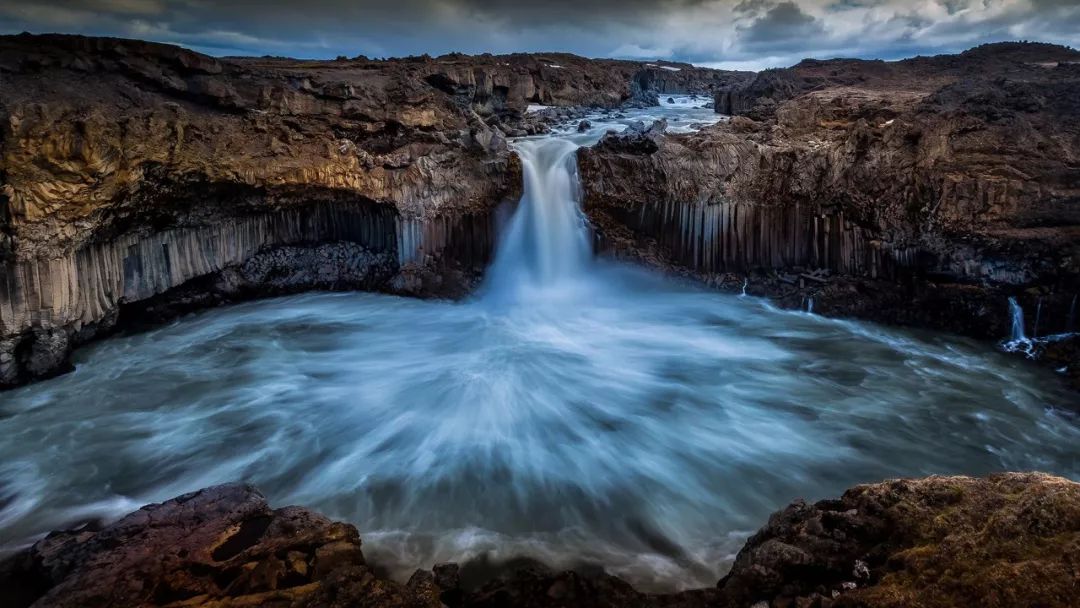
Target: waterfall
[(546, 243), (1018, 341), (1038, 317), (1017, 314), (810, 305), (1070, 323)]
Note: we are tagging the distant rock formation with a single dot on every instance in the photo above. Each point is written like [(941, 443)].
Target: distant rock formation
[(1009, 540)]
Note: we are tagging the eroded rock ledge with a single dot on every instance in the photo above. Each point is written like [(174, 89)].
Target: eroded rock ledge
[(1008, 540)]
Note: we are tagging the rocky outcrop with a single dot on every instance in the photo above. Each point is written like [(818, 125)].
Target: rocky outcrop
[(133, 174), (131, 169), (759, 96), (223, 546), (1006, 540), (1009, 540), (666, 77), (497, 84), (924, 191)]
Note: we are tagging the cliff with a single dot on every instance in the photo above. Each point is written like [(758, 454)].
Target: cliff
[(1005, 541), (130, 169), (925, 191)]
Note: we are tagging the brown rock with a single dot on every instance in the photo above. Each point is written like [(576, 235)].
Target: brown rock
[(222, 546), (1003, 541), (932, 189), (131, 169)]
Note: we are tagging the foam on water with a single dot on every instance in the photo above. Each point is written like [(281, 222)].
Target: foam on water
[(576, 412), (633, 423), (545, 246)]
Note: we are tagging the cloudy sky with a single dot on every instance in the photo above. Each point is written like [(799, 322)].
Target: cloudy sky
[(747, 34)]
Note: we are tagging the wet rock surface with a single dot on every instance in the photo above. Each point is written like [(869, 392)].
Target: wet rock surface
[(922, 186), (1006, 540)]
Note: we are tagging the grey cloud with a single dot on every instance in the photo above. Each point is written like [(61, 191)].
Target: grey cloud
[(783, 26), (747, 33)]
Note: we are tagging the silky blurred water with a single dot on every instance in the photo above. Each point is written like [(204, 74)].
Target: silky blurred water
[(581, 413), (625, 421)]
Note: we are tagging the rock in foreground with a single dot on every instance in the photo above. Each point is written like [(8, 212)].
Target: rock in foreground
[(1006, 540)]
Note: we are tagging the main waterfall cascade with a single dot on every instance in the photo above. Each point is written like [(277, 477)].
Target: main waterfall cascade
[(546, 242), (576, 411)]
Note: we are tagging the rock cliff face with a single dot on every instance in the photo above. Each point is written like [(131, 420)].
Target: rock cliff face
[(138, 180), (130, 169), (1005, 541), (924, 191)]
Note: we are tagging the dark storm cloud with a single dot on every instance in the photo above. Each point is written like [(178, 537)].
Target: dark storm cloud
[(783, 25), (731, 33)]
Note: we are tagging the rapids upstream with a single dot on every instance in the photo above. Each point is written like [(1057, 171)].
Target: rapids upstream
[(575, 411)]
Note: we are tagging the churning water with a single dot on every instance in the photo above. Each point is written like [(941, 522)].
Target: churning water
[(546, 244), (575, 411)]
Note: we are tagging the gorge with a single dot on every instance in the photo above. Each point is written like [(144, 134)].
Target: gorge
[(639, 424)]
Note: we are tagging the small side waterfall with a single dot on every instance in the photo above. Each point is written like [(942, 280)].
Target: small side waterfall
[(1017, 314), (1019, 341), (1038, 318), (547, 241)]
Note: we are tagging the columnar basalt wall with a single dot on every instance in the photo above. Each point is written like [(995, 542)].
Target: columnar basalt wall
[(925, 192), (732, 237), (48, 306), (466, 240), (84, 286)]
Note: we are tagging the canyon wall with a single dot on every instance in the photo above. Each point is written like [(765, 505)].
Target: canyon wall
[(924, 191), (138, 180), (147, 178)]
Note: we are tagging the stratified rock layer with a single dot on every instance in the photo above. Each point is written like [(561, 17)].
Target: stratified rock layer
[(1010, 540)]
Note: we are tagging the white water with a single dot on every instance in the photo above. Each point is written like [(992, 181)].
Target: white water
[(1019, 342), (575, 412), (545, 247), (1017, 315)]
